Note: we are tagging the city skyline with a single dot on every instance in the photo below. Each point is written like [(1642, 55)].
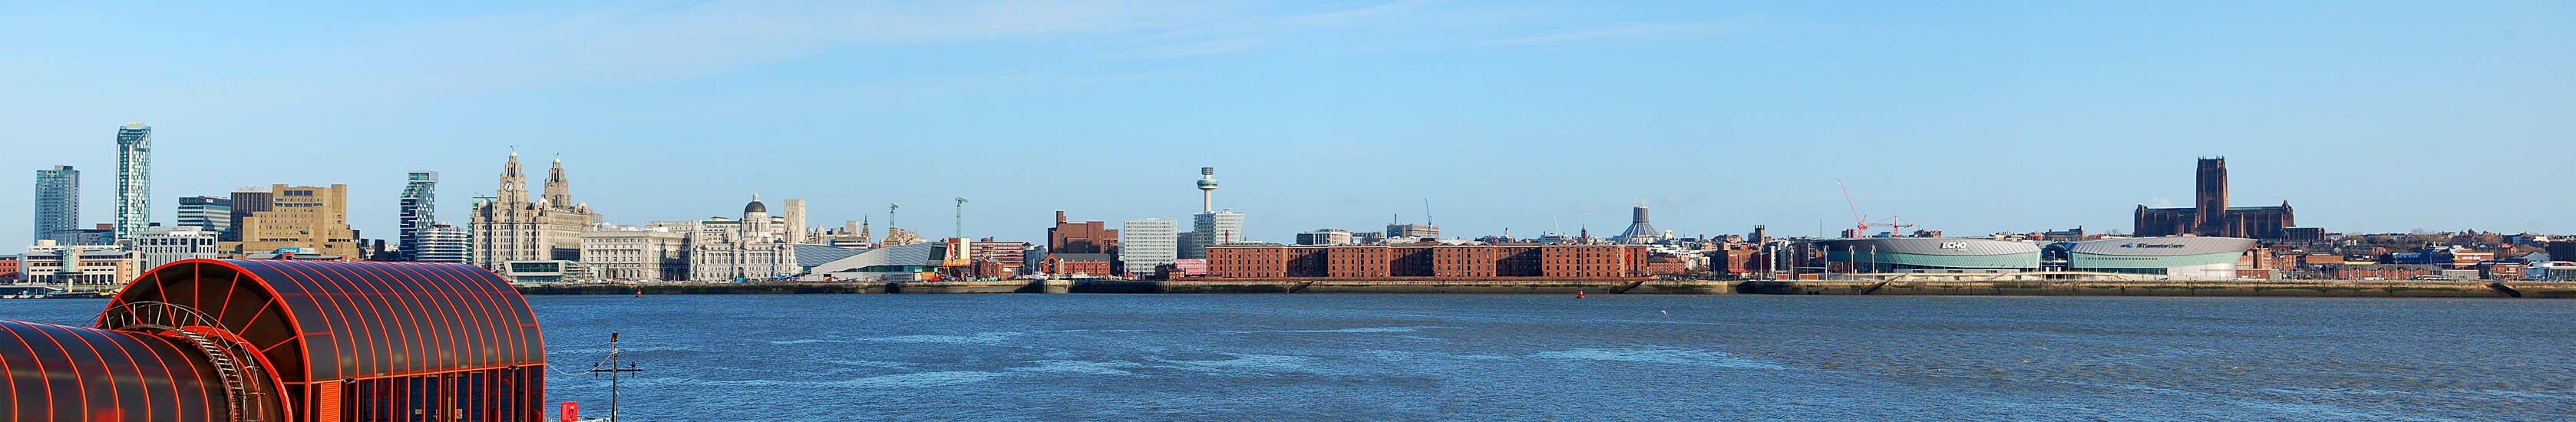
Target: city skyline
[(1742, 115)]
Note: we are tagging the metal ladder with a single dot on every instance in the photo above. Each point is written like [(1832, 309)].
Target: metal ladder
[(237, 394)]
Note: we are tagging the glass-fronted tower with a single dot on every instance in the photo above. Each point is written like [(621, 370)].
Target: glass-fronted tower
[(57, 203), (206, 212), (419, 210), (133, 179)]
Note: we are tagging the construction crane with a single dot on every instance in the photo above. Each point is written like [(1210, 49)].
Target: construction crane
[(1861, 221)]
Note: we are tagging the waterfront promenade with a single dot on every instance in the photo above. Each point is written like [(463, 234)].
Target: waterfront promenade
[(2328, 288)]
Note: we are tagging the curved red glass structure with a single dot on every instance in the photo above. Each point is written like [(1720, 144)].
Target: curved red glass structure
[(299, 341)]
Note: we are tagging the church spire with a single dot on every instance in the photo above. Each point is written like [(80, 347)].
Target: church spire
[(558, 190)]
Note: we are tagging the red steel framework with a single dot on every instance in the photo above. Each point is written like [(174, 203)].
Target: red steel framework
[(287, 340)]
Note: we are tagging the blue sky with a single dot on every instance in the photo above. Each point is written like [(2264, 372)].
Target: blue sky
[(1970, 117)]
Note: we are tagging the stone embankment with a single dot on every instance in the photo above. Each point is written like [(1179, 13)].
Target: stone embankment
[(1567, 287)]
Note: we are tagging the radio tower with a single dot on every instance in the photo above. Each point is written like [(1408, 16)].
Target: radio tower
[(1207, 190)]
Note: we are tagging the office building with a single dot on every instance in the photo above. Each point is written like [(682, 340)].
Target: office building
[(511, 227), (2210, 215), (166, 244), (246, 201), (57, 203), (79, 267), (133, 179), (1424, 231), (1211, 229), (651, 253), (1148, 243), (754, 248), (312, 218), (214, 215), (419, 209), (443, 242)]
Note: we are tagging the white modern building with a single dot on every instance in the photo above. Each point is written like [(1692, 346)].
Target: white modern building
[(753, 248), (1211, 229), (1148, 243), (619, 252), (443, 242), (79, 268), (166, 244), (1329, 237)]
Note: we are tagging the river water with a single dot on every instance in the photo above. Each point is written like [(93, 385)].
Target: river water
[(1609, 357)]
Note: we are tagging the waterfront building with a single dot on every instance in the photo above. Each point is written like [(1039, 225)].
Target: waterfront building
[(312, 218), (166, 244), (213, 214), (1430, 262), (619, 252), (1886, 255), (890, 263), (2198, 258), (1083, 237), (1209, 229), (753, 248), (1639, 231), (2550, 271), (79, 267), (246, 201), (419, 209), (57, 203), (9, 273), (1146, 244), (1329, 237), (2210, 215), (1007, 258), (511, 227), (133, 179), (443, 242)]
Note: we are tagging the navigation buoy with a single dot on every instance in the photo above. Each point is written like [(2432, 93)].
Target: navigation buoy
[(1578, 294)]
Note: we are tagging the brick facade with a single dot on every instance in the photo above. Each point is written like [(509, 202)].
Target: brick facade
[(1571, 262)]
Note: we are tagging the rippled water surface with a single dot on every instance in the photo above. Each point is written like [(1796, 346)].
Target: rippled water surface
[(1486, 357)]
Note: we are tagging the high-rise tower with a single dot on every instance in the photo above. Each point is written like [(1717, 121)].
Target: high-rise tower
[(133, 179), (419, 211), (1207, 189), (57, 203)]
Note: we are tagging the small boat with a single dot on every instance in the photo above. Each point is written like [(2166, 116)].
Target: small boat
[(28, 292)]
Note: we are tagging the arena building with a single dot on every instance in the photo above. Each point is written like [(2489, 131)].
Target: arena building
[(1888, 255), (2212, 258)]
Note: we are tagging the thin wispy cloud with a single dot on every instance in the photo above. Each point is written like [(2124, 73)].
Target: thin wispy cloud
[(1642, 31)]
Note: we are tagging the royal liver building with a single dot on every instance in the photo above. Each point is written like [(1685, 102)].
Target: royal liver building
[(753, 248), (512, 228)]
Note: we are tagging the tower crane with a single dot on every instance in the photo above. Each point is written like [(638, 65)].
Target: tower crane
[(1861, 221)]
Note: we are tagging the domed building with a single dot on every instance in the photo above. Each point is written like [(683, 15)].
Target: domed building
[(753, 248)]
